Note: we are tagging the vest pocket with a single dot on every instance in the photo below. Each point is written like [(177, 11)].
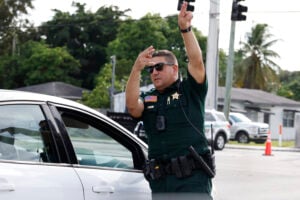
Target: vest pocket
[(176, 116)]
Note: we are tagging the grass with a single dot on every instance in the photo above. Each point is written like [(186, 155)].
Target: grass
[(275, 143)]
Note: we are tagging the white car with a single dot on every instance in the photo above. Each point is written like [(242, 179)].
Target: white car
[(53, 148), (215, 121), (244, 130)]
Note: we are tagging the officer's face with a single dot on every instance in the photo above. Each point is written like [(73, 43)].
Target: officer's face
[(164, 77)]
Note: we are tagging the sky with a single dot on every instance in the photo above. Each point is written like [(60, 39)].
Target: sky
[(282, 18)]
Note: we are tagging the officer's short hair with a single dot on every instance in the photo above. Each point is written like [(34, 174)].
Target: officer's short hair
[(170, 57)]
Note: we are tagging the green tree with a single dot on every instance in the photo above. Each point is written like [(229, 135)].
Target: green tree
[(290, 85), (45, 64), (11, 72), (86, 36), (257, 70), (14, 28), (99, 97), (37, 63), (222, 67), (134, 36)]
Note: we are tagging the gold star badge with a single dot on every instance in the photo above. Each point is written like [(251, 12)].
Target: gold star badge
[(175, 96)]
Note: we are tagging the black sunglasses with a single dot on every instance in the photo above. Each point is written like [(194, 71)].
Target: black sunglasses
[(158, 67)]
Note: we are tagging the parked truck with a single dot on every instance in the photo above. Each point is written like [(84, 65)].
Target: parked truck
[(244, 130)]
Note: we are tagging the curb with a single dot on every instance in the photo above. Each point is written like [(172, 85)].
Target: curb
[(284, 149)]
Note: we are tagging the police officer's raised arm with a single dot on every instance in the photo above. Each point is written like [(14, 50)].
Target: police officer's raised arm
[(195, 65), (134, 104)]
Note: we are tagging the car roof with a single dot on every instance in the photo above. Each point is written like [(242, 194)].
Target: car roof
[(15, 95)]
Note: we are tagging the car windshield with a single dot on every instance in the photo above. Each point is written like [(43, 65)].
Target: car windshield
[(239, 118), (221, 117)]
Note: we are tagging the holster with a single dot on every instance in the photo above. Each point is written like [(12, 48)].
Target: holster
[(203, 162), (211, 162)]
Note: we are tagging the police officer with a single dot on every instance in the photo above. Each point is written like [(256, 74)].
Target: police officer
[(173, 114)]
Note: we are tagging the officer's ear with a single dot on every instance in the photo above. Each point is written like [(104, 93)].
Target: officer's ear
[(175, 68)]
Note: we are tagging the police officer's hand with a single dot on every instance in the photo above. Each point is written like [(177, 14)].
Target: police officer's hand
[(185, 17), (144, 58)]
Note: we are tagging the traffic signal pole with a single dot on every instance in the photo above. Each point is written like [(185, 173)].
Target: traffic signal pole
[(229, 72), (236, 15)]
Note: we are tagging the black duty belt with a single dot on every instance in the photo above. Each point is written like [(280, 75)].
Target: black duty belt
[(181, 166)]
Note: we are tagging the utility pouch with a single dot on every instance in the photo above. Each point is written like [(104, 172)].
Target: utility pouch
[(186, 168), (176, 168)]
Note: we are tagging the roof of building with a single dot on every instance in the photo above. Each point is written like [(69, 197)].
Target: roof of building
[(256, 97), (59, 89)]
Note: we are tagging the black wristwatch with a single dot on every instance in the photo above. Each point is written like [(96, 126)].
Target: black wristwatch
[(186, 30)]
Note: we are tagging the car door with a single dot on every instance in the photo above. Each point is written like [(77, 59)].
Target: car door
[(30, 165), (109, 161)]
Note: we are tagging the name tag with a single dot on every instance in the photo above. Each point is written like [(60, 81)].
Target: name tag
[(150, 107)]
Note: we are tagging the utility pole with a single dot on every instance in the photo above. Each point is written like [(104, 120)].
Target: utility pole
[(236, 15), (212, 54), (112, 88)]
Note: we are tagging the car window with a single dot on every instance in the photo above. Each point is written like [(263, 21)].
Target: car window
[(25, 134), (239, 118), (209, 117), (93, 146), (221, 117)]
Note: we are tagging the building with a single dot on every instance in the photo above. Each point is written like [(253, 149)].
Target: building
[(279, 112)]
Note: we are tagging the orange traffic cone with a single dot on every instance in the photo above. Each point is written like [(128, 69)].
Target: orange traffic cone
[(268, 150)]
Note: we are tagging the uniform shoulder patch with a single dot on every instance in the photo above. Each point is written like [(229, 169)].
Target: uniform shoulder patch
[(150, 98)]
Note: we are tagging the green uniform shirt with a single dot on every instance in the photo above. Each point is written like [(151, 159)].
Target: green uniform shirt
[(182, 105)]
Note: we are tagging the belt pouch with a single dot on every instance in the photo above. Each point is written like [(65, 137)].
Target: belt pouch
[(186, 169), (176, 168)]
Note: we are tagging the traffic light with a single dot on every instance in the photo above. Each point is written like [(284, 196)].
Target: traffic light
[(237, 11), (189, 7)]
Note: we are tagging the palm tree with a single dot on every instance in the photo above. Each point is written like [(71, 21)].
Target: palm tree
[(256, 70)]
